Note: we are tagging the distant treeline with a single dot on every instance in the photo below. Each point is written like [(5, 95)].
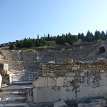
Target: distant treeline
[(64, 39)]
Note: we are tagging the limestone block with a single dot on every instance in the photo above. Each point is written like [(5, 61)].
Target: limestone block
[(60, 104), (68, 67), (52, 81), (46, 94), (35, 100), (42, 94), (85, 70), (86, 105), (53, 94), (70, 78), (41, 82), (85, 92), (82, 105), (102, 71), (97, 106), (11, 78), (5, 66), (66, 93), (103, 81), (52, 74), (75, 67), (103, 74), (60, 81), (63, 94), (29, 96), (68, 74), (95, 91)]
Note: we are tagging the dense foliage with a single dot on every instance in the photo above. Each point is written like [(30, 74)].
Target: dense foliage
[(64, 39)]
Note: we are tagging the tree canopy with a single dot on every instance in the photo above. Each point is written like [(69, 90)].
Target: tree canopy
[(64, 39)]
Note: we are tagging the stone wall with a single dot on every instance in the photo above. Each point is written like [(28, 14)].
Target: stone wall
[(70, 81), (48, 89)]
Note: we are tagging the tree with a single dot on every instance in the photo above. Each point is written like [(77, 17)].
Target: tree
[(11, 46), (60, 39), (97, 35), (103, 35), (89, 37), (48, 37)]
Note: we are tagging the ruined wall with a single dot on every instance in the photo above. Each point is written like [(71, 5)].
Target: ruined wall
[(70, 81), (23, 60), (83, 52), (48, 89)]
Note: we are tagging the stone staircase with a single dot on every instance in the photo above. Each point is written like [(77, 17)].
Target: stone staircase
[(14, 95)]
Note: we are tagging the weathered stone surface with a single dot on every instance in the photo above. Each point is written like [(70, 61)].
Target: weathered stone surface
[(60, 104)]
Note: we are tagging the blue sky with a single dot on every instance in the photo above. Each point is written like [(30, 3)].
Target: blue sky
[(27, 18)]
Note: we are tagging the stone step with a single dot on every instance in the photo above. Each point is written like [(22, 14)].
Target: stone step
[(28, 76), (28, 79), (7, 92), (17, 87), (10, 94), (12, 99), (22, 83), (13, 105)]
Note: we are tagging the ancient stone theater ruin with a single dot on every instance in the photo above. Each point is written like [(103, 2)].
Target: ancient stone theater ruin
[(65, 76)]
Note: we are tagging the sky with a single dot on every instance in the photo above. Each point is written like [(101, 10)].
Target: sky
[(29, 18)]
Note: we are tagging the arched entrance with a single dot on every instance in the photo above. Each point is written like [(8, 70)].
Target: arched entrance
[(101, 49)]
